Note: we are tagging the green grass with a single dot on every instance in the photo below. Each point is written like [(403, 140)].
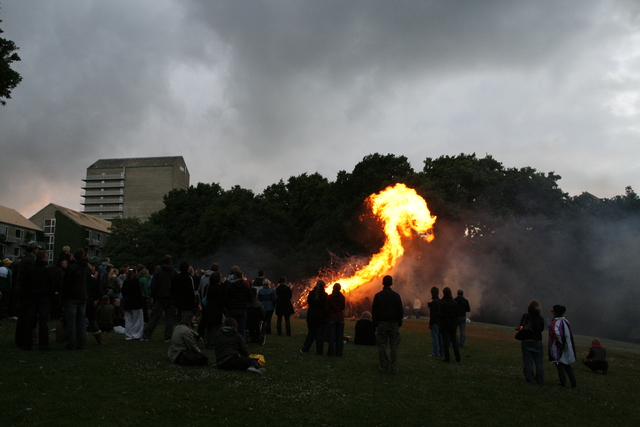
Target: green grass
[(131, 383)]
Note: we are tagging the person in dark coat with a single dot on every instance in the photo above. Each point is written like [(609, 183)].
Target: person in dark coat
[(387, 314), (183, 291), (132, 304), (255, 314), (532, 350), (162, 300), (316, 318), (334, 306), (236, 300), (365, 330), (434, 324), (597, 358), (463, 309), (212, 311), (448, 310), (39, 283), (284, 307), (74, 293)]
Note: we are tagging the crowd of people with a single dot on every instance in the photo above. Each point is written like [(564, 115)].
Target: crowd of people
[(87, 299)]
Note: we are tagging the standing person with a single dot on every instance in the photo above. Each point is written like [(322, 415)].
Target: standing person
[(316, 318), (143, 278), (463, 309), (448, 311), (184, 348), (24, 336), (114, 284), (284, 308), (237, 298), (6, 283), (162, 300), (562, 349), (212, 311), (597, 358), (532, 351), (334, 306), (267, 298), (387, 313), (94, 294), (132, 303), (258, 282), (417, 304), (74, 293), (38, 288), (183, 290), (434, 324), (65, 255)]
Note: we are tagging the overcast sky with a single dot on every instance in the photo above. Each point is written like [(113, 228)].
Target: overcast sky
[(254, 92)]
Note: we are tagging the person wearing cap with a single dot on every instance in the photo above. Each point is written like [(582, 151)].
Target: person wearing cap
[(6, 278), (387, 312), (23, 331)]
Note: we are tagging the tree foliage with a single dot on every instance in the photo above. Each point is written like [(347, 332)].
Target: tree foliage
[(9, 78)]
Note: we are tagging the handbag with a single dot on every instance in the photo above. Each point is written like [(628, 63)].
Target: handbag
[(525, 332)]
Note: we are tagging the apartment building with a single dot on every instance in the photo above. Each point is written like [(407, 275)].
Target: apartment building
[(15, 231), (133, 187)]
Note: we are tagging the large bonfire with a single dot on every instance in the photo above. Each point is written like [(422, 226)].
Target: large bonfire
[(404, 215)]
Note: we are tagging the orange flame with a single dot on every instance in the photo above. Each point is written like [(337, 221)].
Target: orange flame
[(403, 214)]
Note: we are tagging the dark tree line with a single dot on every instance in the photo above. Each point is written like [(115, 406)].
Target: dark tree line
[(518, 235)]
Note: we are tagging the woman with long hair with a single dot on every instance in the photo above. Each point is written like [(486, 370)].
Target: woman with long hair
[(532, 351), (562, 349)]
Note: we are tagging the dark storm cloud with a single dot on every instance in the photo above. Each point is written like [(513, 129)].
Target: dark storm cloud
[(251, 92)]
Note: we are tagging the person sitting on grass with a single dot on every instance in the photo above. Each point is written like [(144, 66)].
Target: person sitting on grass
[(105, 314), (183, 349), (365, 330), (231, 350), (597, 358)]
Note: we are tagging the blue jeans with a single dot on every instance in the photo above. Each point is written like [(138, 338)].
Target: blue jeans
[(436, 339), (388, 334), (462, 324), (75, 317), (160, 306), (336, 337), (532, 351), (315, 333)]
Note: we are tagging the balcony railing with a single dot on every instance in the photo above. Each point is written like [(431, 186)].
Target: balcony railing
[(91, 201), (103, 177), (89, 209), (90, 193), (113, 184)]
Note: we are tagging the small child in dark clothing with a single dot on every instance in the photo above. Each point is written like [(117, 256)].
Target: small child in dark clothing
[(365, 330)]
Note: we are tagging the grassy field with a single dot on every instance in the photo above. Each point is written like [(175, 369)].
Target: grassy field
[(132, 383)]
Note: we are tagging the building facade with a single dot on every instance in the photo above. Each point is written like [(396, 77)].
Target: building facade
[(65, 227), (16, 231), (135, 187)]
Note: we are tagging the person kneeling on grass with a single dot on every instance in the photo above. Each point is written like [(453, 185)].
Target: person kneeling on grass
[(183, 349), (231, 350)]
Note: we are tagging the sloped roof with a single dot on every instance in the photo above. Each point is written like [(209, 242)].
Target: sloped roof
[(138, 162), (11, 216), (84, 220)]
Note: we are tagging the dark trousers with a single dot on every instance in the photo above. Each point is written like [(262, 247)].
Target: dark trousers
[(267, 319), (161, 306), (315, 333), (38, 314), (336, 337), (238, 363), (287, 322), (596, 365), (562, 368), (449, 338)]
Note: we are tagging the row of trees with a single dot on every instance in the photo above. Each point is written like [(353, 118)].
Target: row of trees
[(509, 234)]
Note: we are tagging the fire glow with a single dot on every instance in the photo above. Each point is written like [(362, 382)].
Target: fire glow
[(404, 215)]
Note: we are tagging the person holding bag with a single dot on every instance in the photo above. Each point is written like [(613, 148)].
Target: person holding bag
[(530, 335)]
